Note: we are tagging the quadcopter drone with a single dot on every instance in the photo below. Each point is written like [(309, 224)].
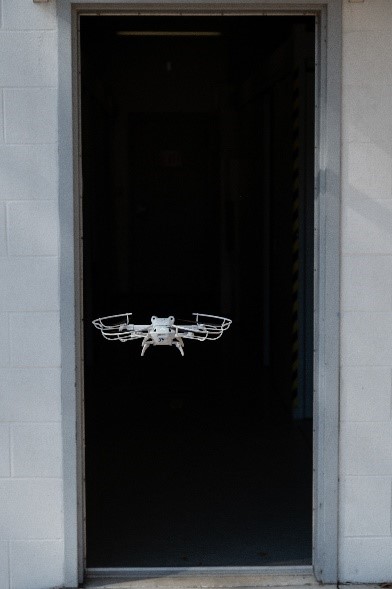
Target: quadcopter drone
[(162, 331)]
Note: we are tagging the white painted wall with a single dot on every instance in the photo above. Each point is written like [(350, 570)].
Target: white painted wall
[(31, 519), (366, 427), (31, 522)]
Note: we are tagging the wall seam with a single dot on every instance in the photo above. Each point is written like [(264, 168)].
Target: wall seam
[(364, 537), (10, 576), (2, 116), (6, 228), (49, 30), (9, 340), (31, 87), (29, 145), (11, 462), (390, 510)]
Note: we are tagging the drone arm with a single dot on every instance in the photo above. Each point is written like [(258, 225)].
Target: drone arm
[(196, 332), (206, 330), (118, 327)]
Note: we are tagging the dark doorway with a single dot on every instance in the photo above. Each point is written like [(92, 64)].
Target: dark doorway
[(197, 151)]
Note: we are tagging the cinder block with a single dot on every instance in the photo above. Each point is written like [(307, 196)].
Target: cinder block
[(366, 225), (29, 283), (28, 172), (37, 564), (366, 339), (28, 58), (365, 560), (4, 340), (365, 506), (366, 57), (5, 467), (366, 283), (366, 448), (36, 450), (33, 228), (19, 14), (366, 114), (369, 170), (368, 15), (30, 394), (366, 393), (31, 509), (30, 115), (3, 229), (35, 339), (4, 569)]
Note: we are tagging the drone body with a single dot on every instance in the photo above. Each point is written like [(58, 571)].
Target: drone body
[(162, 331)]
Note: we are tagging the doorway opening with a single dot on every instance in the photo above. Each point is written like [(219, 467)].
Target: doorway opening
[(198, 196)]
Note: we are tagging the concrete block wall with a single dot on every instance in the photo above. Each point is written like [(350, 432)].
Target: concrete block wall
[(365, 545), (31, 495), (31, 499)]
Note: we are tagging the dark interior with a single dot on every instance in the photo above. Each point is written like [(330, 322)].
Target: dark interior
[(197, 138)]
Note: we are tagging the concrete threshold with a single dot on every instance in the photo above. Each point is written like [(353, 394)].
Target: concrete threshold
[(199, 579)]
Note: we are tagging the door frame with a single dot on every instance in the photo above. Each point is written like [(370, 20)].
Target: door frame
[(326, 265)]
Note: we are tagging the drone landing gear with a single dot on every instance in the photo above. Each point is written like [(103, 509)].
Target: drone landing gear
[(180, 345), (149, 341)]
